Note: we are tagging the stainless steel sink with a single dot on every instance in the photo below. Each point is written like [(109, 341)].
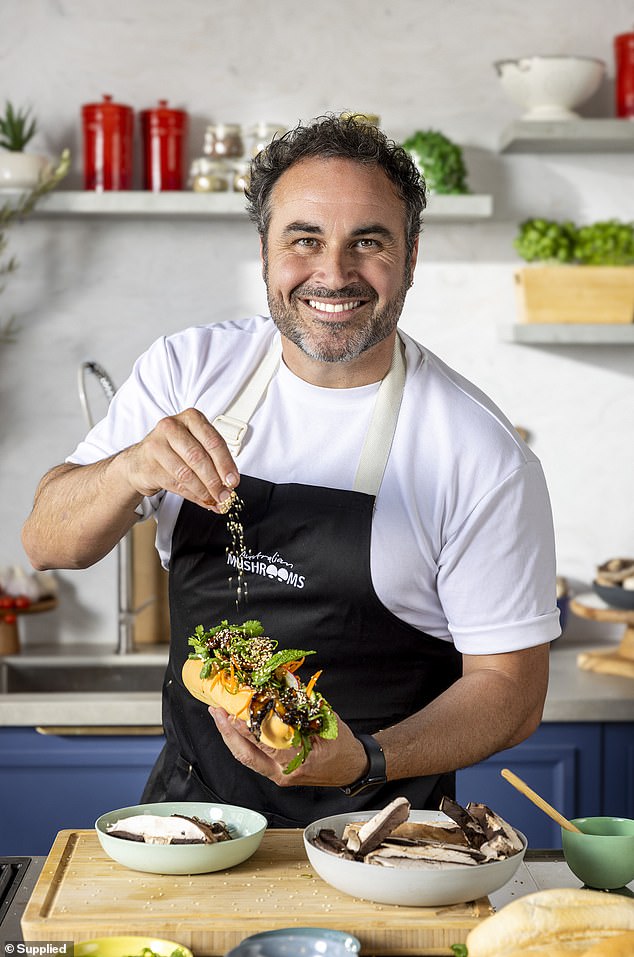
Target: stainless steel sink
[(30, 675)]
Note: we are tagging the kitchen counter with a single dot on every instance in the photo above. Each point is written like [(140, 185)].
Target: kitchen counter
[(573, 695)]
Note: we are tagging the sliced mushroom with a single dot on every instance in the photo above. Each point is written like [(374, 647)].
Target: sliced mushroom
[(500, 835), (327, 840), (418, 831), (467, 822), (423, 854), (374, 831), (615, 570), (165, 829)]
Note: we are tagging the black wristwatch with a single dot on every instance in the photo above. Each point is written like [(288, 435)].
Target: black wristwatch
[(375, 775)]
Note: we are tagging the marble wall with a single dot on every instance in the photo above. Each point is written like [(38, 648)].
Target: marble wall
[(104, 289)]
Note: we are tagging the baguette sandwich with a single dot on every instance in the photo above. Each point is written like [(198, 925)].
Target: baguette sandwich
[(237, 668)]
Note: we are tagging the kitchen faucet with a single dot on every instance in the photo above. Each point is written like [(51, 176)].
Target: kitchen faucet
[(125, 551)]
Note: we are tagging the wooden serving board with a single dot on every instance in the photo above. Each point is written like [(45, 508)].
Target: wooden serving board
[(81, 894)]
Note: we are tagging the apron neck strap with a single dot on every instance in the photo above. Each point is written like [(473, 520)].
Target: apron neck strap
[(233, 423), (380, 435)]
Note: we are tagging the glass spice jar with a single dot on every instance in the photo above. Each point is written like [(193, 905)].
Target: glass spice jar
[(107, 140), (241, 175), (209, 175), (223, 141), (262, 134)]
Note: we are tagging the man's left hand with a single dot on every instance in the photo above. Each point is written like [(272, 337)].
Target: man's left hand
[(332, 763)]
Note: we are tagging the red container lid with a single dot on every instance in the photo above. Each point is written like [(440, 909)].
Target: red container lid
[(163, 116), (106, 109)]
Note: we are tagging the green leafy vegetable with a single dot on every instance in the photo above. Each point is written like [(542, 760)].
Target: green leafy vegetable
[(605, 243), (545, 240), (439, 160), (460, 950)]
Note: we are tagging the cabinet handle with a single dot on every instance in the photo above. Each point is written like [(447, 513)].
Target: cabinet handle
[(111, 730)]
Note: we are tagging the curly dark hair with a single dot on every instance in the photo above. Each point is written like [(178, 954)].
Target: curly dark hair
[(332, 136)]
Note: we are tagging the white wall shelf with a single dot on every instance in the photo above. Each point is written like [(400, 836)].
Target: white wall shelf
[(569, 334), (569, 136), (226, 205)]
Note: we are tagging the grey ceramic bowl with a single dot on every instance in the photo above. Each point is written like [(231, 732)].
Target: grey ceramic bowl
[(246, 828), (298, 942), (615, 596)]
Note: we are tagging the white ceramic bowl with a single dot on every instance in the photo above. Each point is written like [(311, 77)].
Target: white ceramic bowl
[(246, 828), (549, 87), (21, 171), (412, 887)]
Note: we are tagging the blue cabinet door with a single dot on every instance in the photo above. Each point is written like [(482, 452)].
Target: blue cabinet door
[(618, 781), (49, 783), (561, 762)]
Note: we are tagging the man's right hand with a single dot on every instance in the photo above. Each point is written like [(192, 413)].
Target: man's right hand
[(186, 455), (82, 511)]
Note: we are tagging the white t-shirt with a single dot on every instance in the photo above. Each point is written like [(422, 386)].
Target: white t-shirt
[(462, 539)]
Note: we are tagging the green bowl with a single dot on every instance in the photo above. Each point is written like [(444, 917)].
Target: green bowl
[(245, 826), (129, 947), (603, 855)]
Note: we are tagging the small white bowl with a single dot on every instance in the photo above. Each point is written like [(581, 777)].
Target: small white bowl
[(411, 887), (245, 826), (549, 87)]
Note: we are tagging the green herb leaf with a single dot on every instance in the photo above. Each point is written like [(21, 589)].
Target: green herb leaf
[(263, 674), (329, 727), (252, 628), (305, 745), (460, 950)]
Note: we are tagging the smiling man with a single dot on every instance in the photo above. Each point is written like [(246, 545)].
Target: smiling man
[(403, 526)]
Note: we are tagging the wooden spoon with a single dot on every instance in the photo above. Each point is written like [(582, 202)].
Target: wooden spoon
[(539, 801)]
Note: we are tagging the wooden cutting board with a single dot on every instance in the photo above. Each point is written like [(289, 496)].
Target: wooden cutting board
[(81, 893)]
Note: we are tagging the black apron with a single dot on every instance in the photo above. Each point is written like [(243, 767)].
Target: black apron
[(307, 569)]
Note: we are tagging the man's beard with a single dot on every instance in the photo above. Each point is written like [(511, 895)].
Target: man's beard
[(329, 340)]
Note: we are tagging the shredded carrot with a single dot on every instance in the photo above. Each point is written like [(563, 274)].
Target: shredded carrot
[(292, 666), (247, 704), (311, 684)]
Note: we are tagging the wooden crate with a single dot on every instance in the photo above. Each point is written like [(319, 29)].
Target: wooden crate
[(149, 588), (575, 294)]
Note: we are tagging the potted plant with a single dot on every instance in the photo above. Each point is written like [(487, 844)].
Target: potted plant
[(439, 160), (577, 274), (18, 170)]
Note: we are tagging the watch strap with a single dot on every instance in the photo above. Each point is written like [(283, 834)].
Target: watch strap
[(376, 773)]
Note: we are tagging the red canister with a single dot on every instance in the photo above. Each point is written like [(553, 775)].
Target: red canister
[(108, 131), (163, 134), (624, 81)]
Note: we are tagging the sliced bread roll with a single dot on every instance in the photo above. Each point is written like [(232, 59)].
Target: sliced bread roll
[(620, 946), (565, 918)]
